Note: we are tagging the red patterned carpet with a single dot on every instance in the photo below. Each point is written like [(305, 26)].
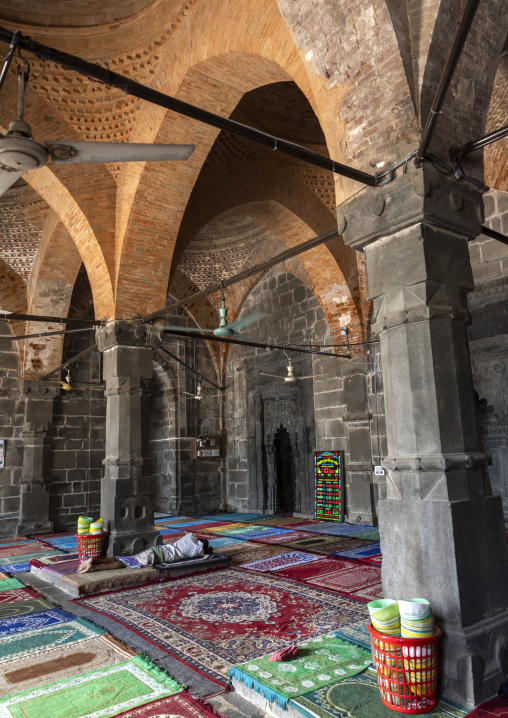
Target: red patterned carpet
[(214, 620), (180, 706), (333, 574)]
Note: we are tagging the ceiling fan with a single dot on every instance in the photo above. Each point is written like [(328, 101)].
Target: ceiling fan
[(290, 378), (68, 386), (199, 393), (224, 329), (19, 151)]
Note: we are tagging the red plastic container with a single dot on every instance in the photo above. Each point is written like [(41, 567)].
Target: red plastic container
[(91, 546), (406, 671)]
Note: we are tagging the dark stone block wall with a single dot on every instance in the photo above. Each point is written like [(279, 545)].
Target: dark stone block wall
[(345, 394), (78, 446), (488, 340), (11, 426)]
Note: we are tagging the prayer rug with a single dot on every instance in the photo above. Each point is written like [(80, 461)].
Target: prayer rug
[(373, 560), (182, 705), (233, 517), (7, 583), (284, 538), (21, 549), (11, 544), (43, 639), (219, 542), (212, 621), (365, 552), (356, 632), (358, 581), (288, 522), (14, 539), (167, 532), (23, 608), (51, 534), (368, 535), (100, 693), (17, 624), (198, 524), (62, 568), (61, 663), (347, 577), (15, 595), (67, 543), (321, 661), (283, 560), (255, 535), (493, 708), (319, 544), (247, 552), (338, 529), (358, 697), (346, 543), (3, 576), (172, 519), (7, 562), (222, 528), (61, 557)]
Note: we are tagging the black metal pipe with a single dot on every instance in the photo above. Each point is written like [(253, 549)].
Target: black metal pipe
[(488, 232), (113, 79), (14, 338), (248, 343), (8, 58), (456, 153), (47, 320), (187, 366), (449, 69), (287, 254)]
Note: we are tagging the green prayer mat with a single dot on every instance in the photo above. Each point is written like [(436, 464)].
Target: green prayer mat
[(8, 583), (358, 697), (367, 535), (321, 662), (95, 694), (20, 645), (24, 608), (26, 557)]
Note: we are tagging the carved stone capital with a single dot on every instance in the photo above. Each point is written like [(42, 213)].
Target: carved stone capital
[(33, 389), (421, 195), (132, 333)]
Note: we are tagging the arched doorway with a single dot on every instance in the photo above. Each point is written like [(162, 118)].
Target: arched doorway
[(284, 464)]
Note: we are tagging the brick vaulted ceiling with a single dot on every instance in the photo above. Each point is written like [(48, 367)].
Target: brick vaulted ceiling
[(266, 64)]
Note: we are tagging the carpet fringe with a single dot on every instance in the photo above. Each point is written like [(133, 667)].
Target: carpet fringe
[(268, 693)]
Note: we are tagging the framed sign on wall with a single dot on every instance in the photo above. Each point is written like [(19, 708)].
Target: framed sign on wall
[(329, 485)]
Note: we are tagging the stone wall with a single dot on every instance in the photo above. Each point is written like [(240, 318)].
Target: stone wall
[(344, 396), (11, 426), (79, 425), (488, 336)]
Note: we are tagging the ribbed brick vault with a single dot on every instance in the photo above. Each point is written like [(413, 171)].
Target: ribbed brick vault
[(351, 81)]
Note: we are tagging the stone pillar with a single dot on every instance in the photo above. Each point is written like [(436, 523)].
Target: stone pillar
[(358, 467), (37, 436), (127, 498), (442, 530)]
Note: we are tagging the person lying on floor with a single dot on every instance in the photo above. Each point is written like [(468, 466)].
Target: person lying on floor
[(187, 547)]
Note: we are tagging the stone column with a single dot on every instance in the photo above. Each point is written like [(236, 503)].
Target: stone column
[(442, 530), (37, 436), (127, 497)]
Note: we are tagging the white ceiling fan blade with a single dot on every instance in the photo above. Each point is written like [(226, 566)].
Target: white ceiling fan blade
[(81, 152), (189, 394), (254, 317), (310, 376), (7, 179), (275, 376)]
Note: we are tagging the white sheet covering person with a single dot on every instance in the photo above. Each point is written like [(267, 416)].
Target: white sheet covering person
[(187, 547)]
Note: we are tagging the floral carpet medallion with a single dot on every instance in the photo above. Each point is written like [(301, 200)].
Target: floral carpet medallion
[(212, 621)]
